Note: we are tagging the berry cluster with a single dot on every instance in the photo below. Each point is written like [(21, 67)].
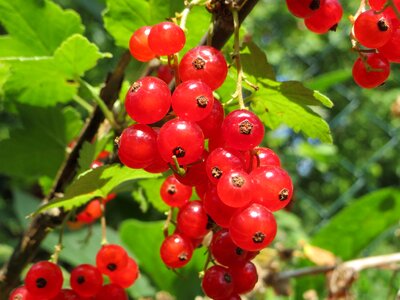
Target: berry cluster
[(319, 16), (239, 184), (44, 279), (377, 29)]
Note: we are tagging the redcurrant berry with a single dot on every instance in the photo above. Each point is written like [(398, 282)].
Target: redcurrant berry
[(111, 258), (219, 212), (127, 276), (166, 38), (138, 44), (235, 187), (244, 276), (174, 193), (303, 8), (217, 282), (44, 280), (192, 220), (86, 280), (325, 18), (371, 70), (212, 123), (176, 250), (111, 291), (260, 157)]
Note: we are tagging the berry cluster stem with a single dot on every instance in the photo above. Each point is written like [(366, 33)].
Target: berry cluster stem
[(107, 113), (59, 246), (185, 13), (236, 56), (103, 224)]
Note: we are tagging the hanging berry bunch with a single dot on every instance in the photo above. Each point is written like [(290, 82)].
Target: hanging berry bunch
[(239, 183)]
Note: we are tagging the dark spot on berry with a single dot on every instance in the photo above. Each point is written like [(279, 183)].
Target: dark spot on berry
[(227, 278), (238, 181), (80, 279), (239, 251), (258, 237), (183, 256), (283, 194), (171, 189), (202, 101), (135, 87), (383, 25), (216, 172), (112, 267), (41, 282), (245, 127), (199, 63), (179, 152), (315, 4), (334, 27)]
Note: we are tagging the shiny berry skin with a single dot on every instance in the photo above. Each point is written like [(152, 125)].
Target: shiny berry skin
[(181, 138), (372, 30), (225, 251), (244, 276), (139, 46), (218, 211), (44, 280), (217, 282), (176, 251), (192, 100), (273, 187), (242, 130), (192, 220), (174, 193), (86, 280), (165, 73), (260, 157), (212, 123), (371, 70), (253, 228), (137, 146), (221, 161), (235, 187), (111, 258), (148, 100), (111, 291), (166, 38), (67, 294), (325, 18), (303, 8), (127, 276), (195, 174), (378, 5), (204, 63), (391, 50), (19, 293)]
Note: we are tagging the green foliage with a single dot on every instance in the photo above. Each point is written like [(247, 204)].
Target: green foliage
[(42, 131)]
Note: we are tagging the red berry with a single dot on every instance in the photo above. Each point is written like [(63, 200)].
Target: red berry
[(244, 276), (44, 280), (260, 157), (174, 193), (111, 258), (127, 276), (217, 282), (242, 130), (219, 212), (68, 294), (86, 280), (235, 187), (181, 138), (192, 100), (192, 220), (273, 187), (225, 251), (195, 174), (220, 161), (204, 63), (391, 50), (137, 146), (371, 70), (148, 100), (212, 123), (138, 44), (253, 228), (165, 73), (111, 291), (378, 5), (90, 213), (20, 293), (176, 251), (303, 8), (166, 38), (325, 18), (372, 30)]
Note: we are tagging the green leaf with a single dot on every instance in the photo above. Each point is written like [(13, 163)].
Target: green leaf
[(41, 27), (44, 81), (324, 81), (5, 252), (255, 63), (94, 183), (161, 10), (357, 225), (90, 151), (38, 148), (123, 17), (24, 204), (144, 240), (77, 55), (151, 189), (196, 27), (289, 103)]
